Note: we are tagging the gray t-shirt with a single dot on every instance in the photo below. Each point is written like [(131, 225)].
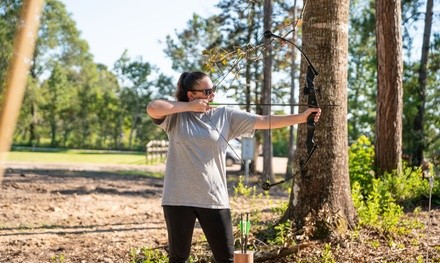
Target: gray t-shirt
[(195, 172)]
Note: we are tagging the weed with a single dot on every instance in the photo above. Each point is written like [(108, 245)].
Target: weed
[(241, 189), (58, 258), (148, 255), (327, 254), (282, 235)]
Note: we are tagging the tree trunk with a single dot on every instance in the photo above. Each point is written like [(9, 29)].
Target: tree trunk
[(267, 91), (293, 71), (419, 120), (320, 201), (248, 77), (257, 98), (388, 144), (33, 136), (32, 126)]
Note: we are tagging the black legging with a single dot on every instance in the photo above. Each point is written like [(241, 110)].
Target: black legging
[(216, 225)]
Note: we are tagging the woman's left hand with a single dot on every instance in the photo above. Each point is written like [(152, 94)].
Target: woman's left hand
[(313, 110)]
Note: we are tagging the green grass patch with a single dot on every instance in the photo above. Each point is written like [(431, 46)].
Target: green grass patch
[(78, 156), (137, 173)]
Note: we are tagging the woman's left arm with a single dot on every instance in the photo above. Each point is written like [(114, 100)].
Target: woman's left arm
[(280, 121)]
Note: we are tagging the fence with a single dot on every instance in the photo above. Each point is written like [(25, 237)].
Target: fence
[(156, 151)]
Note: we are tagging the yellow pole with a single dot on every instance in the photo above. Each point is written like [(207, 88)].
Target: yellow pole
[(18, 69)]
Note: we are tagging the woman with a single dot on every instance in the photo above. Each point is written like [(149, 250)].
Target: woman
[(195, 177)]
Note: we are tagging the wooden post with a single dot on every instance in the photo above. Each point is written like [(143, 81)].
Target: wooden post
[(18, 69)]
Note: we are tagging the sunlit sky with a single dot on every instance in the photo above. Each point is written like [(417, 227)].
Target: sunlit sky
[(111, 26)]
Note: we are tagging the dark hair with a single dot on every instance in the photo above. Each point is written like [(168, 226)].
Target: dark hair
[(187, 81)]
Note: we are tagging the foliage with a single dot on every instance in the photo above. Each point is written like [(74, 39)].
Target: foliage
[(8, 20), (380, 201), (58, 258), (378, 209), (282, 234), (435, 191), (420, 105), (279, 210), (412, 102), (362, 76), (241, 189), (362, 70), (407, 187), (327, 254), (148, 255), (73, 102), (185, 50), (360, 163), (280, 140)]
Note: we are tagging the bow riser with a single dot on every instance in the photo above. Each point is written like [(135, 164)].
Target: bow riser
[(312, 102)]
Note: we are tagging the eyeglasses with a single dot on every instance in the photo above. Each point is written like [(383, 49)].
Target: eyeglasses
[(207, 92)]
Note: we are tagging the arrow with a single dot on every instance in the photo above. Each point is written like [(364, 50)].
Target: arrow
[(244, 226), (264, 104)]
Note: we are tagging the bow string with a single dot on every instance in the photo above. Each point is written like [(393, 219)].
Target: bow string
[(309, 91)]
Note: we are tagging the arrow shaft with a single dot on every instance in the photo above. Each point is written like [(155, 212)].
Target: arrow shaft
[(263, 104), (255, 104)]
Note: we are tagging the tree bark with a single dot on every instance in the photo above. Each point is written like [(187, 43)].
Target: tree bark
[(17, 76), (388, 144), (293, 73), (320, 201), (419, 120), (248, 77), (267, 91)]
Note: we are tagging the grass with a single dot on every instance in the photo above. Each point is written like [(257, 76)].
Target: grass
[(78, 156), (51, 155)]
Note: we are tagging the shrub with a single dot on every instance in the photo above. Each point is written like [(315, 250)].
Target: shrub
[(377, 199), (360, 163)]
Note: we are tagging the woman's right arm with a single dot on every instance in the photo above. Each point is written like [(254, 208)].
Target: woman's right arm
[(159, 109)]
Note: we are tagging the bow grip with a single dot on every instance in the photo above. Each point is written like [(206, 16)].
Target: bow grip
[(311, 121), (310, 142)]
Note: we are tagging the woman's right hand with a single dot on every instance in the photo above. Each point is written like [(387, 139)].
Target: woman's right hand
[(199, 105)]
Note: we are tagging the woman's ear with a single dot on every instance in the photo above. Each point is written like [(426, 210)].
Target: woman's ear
[(190, 95)]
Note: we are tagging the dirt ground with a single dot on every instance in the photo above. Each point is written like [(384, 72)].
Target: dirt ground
[(80, 215), (77, 215)]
